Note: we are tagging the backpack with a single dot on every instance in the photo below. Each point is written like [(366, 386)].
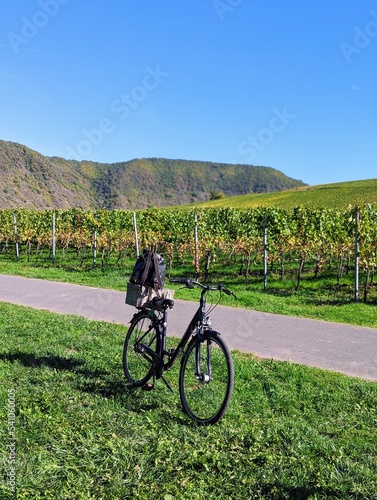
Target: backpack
[(149, 270)]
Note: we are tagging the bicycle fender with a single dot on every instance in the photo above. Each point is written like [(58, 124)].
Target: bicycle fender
[(136, 316), (213, 332)]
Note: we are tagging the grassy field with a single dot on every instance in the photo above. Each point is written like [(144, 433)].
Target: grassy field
[(81, 432), (338, 195)]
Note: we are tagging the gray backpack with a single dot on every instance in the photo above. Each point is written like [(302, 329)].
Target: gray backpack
[(149, 270)]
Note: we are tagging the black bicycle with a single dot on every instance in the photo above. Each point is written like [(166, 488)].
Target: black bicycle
[(206, 376)]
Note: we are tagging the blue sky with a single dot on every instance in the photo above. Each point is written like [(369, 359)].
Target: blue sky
[(290, 85)]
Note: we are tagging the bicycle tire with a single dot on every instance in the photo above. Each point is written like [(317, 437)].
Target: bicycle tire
[(138, 365), (206, 401)]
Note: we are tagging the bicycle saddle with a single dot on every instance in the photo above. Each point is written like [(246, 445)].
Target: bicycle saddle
[(160, 304)]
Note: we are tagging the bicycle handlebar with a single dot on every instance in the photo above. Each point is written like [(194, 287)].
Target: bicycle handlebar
[(189, 283), (183, 281)]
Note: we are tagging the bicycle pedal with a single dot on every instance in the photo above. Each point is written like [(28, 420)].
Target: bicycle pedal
[(148, 387)]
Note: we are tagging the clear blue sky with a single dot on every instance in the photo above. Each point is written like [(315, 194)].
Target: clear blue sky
[(290, 85)]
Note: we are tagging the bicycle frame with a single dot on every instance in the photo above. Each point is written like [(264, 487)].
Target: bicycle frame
[(206, 375), (160, 326)]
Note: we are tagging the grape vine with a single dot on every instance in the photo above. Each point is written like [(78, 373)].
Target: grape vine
[(322, 236)]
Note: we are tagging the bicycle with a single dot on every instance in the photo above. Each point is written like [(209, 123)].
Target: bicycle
[(206, 377)]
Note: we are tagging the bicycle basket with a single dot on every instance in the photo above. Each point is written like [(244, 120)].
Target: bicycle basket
[(141, 296)]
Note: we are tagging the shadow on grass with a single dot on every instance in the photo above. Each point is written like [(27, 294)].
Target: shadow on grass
[(310, 296), (278, 292), (93, 381), (32, 361), (299, 493)]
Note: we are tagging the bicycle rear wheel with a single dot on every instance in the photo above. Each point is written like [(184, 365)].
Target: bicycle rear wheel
[(205, 396), (141, 340)]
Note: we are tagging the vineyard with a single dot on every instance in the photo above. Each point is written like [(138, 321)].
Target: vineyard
[(253, 244)]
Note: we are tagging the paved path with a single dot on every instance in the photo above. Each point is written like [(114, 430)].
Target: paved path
[(348, 349)]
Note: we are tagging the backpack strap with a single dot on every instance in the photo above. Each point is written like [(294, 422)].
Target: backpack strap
[(157, 271), (146, 269)]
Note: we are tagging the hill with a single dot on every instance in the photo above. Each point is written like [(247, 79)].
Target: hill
[(29, 179), (337, 195)]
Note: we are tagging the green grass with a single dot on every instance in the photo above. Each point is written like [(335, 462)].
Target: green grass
[(83, 433), (337, 195), (114, 278)]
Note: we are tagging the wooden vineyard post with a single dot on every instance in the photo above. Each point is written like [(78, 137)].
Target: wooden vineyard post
[(265, 254), (136, 236), (16, 235), (196, 244), (95, 250), (53, 238), (357, 249)]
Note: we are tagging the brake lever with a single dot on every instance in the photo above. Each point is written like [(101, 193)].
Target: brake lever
[(226, 291)]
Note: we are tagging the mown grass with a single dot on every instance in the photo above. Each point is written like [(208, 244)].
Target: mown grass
[(83, 433), (337, 195)]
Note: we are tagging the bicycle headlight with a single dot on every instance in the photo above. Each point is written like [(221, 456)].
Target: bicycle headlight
[(208, 322)]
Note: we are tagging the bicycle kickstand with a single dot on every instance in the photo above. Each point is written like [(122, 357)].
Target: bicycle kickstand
[(167, 383), (150, 387)]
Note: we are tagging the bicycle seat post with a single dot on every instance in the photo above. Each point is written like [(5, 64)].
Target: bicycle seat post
[(163, 329)]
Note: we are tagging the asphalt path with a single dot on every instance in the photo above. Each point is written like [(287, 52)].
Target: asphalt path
[(332, 346)]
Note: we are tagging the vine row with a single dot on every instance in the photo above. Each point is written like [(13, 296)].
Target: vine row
[(320, 235)]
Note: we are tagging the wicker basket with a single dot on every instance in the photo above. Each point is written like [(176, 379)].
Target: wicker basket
[(141, 296)]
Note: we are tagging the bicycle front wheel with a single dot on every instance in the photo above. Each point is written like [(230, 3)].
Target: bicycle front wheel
[(140, 343), (206, 379)]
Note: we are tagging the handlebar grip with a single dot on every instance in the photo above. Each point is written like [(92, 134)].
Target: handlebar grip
[(182, 281), (189, 283), (222, 288), (226, 291)]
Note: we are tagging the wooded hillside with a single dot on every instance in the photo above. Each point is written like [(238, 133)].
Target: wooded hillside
[(29, 179)]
